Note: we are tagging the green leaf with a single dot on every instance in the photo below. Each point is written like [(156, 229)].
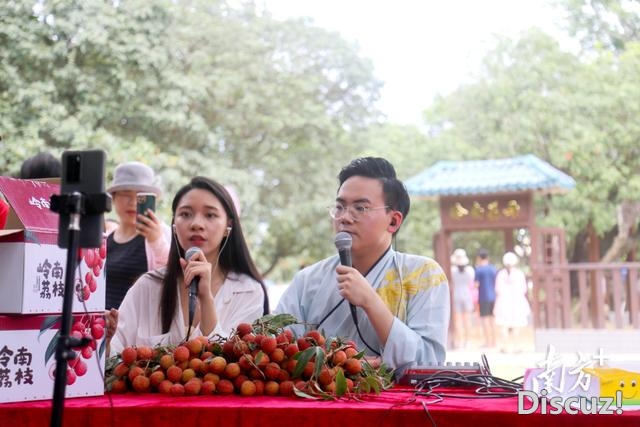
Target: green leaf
[(102, 348), (364, 387), (278, 320), (320, 356), (373, 384), (301, 393), (48, 323), (303, 358), (51, 348), (341, 383)]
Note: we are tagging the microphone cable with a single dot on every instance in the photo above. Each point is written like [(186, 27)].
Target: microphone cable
[(484, 385)]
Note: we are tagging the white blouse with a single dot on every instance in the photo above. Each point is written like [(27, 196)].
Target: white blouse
[(239, 299)]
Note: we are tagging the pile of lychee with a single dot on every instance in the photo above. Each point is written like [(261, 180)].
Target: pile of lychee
[(255, 360)]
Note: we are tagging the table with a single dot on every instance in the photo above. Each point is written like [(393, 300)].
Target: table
[(390, 408)]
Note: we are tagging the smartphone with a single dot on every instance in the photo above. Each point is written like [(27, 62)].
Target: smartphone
[(83, 172), (146, 201)]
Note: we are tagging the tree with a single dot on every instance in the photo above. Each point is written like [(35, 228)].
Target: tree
[(575, 112), (213, 88), (608, 24)]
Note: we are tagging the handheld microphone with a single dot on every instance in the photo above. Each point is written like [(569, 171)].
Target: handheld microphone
[(343, 244), (193, 286)]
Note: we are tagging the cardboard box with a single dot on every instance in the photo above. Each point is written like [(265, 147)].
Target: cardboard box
[(27, 358), (32, 266)]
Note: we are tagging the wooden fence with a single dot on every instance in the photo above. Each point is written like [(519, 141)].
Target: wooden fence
[(586, 295)]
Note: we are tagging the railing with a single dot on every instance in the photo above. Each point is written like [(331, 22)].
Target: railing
[(586, 295)]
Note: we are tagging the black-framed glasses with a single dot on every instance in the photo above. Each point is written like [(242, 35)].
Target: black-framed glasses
[(356, 210)]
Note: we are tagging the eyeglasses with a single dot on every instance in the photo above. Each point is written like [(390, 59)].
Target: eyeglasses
[(356, 210)]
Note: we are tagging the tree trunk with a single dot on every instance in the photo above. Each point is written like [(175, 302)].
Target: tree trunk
[(625, 241)]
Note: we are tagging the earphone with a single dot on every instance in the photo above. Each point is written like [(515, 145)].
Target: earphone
[(228, 230)]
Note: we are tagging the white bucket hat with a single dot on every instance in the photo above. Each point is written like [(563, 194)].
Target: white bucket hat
[(134, 176), (459, 257), (509, 259)]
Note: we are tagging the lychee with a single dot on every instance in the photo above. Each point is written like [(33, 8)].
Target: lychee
[(181, 353), (248, 388), (244, 329), (129, 355), (192, 387), (141, 384), (224, 387), (144, 352), (217, 365)]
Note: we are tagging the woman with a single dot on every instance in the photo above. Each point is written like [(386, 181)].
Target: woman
[(511, 310), (230, 291), (139, 243), (462, 278)]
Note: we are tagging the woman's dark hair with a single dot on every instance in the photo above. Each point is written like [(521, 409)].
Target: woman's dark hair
[(395, 193), (234, 257), (42, 165)]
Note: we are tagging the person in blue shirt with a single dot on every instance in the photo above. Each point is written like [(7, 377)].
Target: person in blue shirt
[(486, 284)]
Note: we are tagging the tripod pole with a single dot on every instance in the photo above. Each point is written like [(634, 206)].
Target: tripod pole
[(64, 351)]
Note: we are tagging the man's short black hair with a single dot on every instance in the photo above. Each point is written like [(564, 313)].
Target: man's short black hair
[(483, 254), (395, 193), (42, 165)]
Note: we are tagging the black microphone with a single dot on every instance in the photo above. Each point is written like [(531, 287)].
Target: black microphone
[(343, 244), (193, 286)]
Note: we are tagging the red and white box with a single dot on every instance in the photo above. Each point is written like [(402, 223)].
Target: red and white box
[(32, 266), (28, 363)]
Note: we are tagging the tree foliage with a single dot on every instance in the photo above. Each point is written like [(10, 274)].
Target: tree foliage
[(607, 24), (575, 111), (211, 88)]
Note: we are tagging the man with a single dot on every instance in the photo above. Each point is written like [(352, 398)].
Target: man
[(486, 284), (401, 300)]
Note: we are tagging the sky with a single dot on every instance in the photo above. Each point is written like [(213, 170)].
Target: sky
[(421, 48)]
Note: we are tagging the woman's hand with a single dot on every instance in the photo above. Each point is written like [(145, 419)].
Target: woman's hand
[(111, 322), (198, 266), (149, 226), (111, 326)]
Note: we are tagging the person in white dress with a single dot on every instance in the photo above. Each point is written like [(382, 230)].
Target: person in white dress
[(512, 308)]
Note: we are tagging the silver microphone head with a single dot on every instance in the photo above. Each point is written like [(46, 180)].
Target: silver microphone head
[(191, 252), (342, 240)]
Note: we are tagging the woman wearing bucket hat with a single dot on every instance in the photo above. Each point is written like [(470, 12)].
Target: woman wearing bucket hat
[(462, 278), (512, 309), (140, 242)]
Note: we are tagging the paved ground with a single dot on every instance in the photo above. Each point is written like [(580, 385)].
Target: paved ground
[(512, 365)]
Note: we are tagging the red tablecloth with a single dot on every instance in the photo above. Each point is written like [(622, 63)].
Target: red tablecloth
[(390, 408)]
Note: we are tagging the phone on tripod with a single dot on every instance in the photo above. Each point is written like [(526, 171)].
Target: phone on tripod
[(83, 172)]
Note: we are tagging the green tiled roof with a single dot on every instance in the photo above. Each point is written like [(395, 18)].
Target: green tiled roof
[(523, 173)]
